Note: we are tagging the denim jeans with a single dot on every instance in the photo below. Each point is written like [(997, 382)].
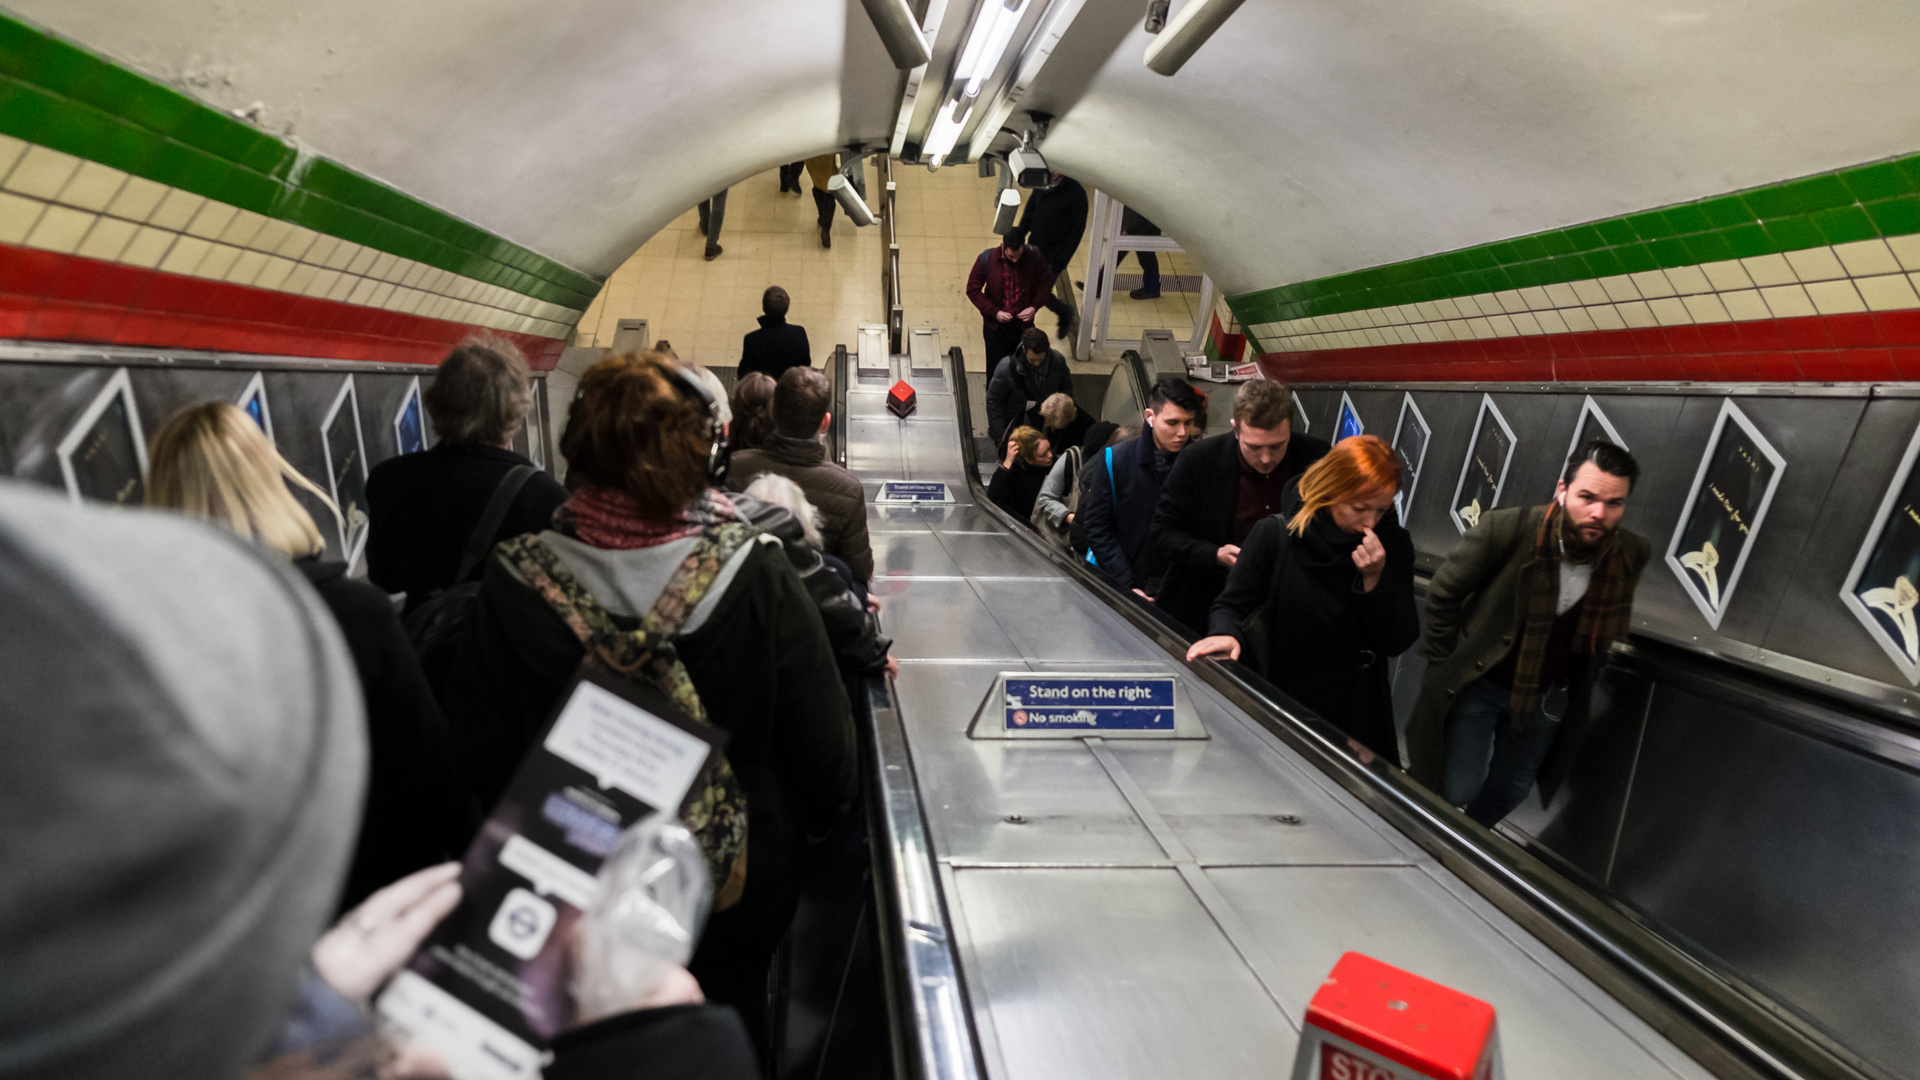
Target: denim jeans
[(1490, 765)]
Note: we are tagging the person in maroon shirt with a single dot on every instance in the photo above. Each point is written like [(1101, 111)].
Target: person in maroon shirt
[(1219, 490), (1008, 284)]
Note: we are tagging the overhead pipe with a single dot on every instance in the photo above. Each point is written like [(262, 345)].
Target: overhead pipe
[(1186, 33), (894, 21)]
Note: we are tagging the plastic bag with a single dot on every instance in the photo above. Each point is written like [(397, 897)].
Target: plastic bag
[(649, 905)]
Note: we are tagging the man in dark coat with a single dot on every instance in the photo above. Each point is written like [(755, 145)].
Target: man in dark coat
[(1055, 220), (1118, 493), (1034, 374), (1519, 622), (1008, 284), (1219, 490), (800, 417), (423, 507), (777, 345)]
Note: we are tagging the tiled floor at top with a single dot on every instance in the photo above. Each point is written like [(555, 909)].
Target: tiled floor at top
[(945, 221)]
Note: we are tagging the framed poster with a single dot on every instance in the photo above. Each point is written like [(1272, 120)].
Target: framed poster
[(1300, 412), (1348, 425), (1483, 476), (1724, 511), (104, 454), (536, 436), (253, 402), (347, 468), (1592, 424), (1881, 588), (1411, 434), (409, 432)]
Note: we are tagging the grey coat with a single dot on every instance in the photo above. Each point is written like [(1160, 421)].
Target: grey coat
[(1476, 612)]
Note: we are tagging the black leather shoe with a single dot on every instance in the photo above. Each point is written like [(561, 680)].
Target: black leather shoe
[(1142, 294), (826, 236), (713, 251)]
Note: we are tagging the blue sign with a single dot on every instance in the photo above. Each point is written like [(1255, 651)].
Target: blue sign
[(406, 427), (914, 491), (1040, 703), (1349, 425)]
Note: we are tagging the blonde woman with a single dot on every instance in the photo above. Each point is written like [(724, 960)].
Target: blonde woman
[(1015, 485), (212, 462)]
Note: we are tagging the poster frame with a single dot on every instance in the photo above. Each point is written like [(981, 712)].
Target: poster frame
[(1403, 499), (350, 544), (1728, 411), (1347, 409), (410, 397), (119, 385), (1487, 406), (257, 387), (1908, 667), (1300, 412)]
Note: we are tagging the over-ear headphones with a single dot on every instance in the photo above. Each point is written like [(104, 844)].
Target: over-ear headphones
[(697, 391)]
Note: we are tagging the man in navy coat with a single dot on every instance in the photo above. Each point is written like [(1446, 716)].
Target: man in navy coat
[(1123, 484)]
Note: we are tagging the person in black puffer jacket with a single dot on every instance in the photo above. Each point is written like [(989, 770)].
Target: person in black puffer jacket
[(211, 461)]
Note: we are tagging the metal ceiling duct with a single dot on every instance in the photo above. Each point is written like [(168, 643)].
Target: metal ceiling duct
[(899, 32), (1186, 33)]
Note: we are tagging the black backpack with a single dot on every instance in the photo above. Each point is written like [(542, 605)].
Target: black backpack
[(436, 626)]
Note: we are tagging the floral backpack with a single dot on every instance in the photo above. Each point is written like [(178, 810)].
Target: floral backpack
[(715, 810)]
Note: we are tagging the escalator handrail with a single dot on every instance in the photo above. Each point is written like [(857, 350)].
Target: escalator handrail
[(1730, 1027)]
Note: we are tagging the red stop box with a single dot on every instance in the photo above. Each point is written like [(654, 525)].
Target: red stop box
[(900, 399), (1373, 1021)]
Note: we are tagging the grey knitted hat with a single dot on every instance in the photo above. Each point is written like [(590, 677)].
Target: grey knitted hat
[(181, 757)]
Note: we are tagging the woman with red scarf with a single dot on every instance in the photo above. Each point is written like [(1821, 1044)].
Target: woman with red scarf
[(643, 521)]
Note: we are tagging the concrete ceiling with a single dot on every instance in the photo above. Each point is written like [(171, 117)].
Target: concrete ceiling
[(1308, 138)]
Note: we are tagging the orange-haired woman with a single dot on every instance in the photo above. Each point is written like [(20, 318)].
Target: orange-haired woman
[(1322, 595)]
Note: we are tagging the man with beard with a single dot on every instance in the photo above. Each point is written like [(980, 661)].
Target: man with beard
[(1519, 622)]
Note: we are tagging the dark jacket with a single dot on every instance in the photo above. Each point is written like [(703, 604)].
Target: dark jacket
[(1016, 489), (758, 658), (678, 1042), (1055, 220), (1327, 641), (1015, 383), (414, 814), (1476, 613), (1119, 515), (834, 491), (1073, 434), (989, 269), (775, 347), (1195, 516), (422, 507), (853, 631)]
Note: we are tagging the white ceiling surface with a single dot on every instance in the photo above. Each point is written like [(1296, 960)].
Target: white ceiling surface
[(1310, 137)]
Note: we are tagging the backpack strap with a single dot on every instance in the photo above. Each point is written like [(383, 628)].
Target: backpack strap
[(1112, 491), (495, 515)]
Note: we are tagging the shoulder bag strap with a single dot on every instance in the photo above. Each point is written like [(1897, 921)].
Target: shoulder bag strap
[(507, 490)]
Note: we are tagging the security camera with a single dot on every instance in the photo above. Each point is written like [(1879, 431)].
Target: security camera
[(850, 201), (1028, 168)]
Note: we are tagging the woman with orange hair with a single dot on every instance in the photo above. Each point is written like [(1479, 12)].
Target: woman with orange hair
[(1322, 595)]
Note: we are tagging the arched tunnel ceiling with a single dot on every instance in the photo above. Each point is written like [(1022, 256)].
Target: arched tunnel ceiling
[(1308, 138)]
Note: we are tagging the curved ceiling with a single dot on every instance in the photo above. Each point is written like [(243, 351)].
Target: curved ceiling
[(1310, 137)]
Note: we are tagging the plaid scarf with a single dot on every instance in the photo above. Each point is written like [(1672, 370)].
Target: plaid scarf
[(1606, 612), (607, 519)]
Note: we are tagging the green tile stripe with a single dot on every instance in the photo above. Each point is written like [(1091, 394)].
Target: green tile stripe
[(1880, 199), (61, 96)]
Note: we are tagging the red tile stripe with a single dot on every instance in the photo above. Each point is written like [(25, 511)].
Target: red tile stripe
[(1870, 347), (47, 296)]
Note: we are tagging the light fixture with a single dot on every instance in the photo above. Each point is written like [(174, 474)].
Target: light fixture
[(1005, 210), (946, 132), (1186, 33), (842, 189), (893, 19), (987, 43)]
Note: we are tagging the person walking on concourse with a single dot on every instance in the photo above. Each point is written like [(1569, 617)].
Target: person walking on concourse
[(1321, 596), (1519, 622), (1219, 490), (1008, 284)]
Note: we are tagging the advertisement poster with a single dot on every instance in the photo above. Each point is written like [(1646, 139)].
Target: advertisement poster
[(1484, 474), (1348, 425), (253, 402), (1724, 511), (1884, 585), (1592, 424), (488, 988), (347, 469), (409, 433), (104, 454), (1411, 434)]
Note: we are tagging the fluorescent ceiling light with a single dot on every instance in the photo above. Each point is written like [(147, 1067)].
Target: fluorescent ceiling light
[(987, 42), (946, 132), (1187, 32)]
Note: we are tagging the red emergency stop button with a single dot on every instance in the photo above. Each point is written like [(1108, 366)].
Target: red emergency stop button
[(900, 399), (1373, 1021)]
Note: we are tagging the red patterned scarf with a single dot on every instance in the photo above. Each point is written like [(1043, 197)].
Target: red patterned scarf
[(608, 519)]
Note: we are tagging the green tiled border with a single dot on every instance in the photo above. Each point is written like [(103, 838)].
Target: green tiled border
[(63, 97), (1880, 199)]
